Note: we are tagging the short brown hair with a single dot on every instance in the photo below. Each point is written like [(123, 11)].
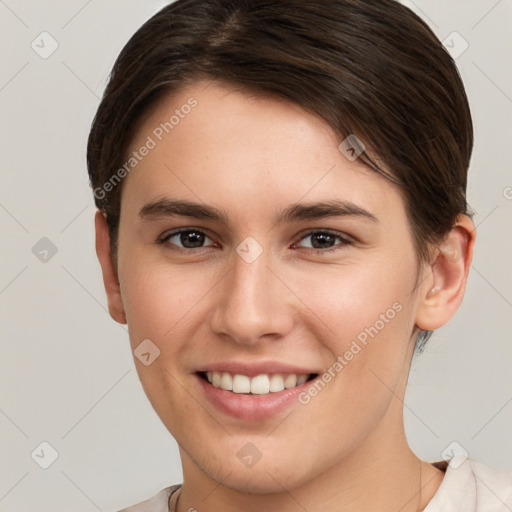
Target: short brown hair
[(369, 68)]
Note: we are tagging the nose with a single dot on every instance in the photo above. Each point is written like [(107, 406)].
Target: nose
[(252, 303)]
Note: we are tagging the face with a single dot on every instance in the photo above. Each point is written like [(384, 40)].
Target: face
[(262, 281)]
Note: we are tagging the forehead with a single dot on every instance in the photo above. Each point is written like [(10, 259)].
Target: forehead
[(212, 143)]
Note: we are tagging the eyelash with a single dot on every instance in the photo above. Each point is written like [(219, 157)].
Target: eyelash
[(344, 239)]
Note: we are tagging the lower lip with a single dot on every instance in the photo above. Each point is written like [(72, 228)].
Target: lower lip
[(251, 407)]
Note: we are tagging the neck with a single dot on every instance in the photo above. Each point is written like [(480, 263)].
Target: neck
[(382, 471)]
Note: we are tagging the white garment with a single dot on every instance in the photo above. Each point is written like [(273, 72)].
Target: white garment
[(468, 486), (472, 487)]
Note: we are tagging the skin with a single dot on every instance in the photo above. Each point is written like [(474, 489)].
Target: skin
[(252, 157)]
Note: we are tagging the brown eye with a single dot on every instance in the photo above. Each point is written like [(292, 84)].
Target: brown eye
[(186, 239), (324, 240)]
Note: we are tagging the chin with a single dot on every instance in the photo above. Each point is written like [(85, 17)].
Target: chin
[(269, 475), (259, 481)]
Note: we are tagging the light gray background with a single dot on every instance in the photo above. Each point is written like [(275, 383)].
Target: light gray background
[(67, 376)]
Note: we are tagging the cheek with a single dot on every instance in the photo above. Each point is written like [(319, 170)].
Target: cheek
[(365, 318), (350, 298), (159, 300)]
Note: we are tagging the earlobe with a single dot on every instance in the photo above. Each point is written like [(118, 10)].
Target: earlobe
[(443, 288), (110, 278)]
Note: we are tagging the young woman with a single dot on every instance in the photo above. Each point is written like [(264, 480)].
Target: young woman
[(281, 221)]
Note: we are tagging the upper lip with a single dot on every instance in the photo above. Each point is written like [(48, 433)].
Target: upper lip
[(252, 369)]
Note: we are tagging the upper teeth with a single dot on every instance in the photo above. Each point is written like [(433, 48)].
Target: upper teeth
[(259, 385)]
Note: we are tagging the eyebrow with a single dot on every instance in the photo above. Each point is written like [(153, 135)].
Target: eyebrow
[(167, 207)]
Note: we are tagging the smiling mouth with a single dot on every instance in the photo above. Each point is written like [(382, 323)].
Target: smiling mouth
[(260, 385)]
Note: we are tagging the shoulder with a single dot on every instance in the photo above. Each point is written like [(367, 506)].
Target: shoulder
[(472, 486), (493, 487), (158, 503)]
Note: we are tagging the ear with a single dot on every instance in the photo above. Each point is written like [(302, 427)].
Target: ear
[(442, 290), (110, 279)]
